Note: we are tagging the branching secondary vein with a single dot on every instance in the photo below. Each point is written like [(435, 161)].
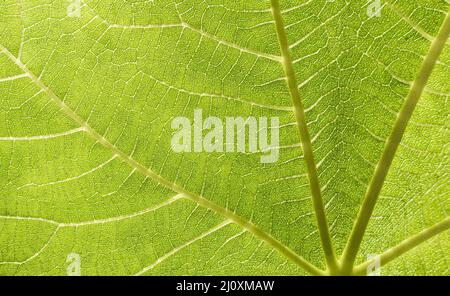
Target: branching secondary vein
[(407, 245), (373, 191)]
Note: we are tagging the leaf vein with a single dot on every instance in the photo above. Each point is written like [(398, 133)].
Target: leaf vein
[(164, 182)]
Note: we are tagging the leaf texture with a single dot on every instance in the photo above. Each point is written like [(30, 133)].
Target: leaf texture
[(86, 164)]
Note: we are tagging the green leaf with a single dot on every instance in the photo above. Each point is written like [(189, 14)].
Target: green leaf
[(88, 175)]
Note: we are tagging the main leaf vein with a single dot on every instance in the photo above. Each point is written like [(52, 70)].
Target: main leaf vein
[(250, 227)]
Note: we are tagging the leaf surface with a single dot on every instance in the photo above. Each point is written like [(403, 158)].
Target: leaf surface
[(86, 164)]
